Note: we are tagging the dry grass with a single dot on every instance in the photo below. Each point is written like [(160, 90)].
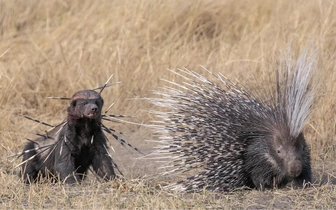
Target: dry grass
[(56, 47)]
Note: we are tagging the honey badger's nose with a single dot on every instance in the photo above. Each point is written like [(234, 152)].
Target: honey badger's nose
[(92, 111), (94, 108)]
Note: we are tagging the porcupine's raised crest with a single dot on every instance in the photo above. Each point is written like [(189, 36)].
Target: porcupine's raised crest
[(234, 137), (76, 144)]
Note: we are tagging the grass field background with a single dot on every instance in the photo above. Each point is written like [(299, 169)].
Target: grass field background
[(57, 47)]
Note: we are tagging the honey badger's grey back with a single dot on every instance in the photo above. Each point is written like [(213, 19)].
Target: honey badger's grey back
[(234, 137)]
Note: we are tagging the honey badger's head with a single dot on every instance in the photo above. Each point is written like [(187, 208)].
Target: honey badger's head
[(86, 104)]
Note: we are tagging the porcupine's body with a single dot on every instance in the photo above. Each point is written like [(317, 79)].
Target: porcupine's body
[(73, 146), (235, 138)]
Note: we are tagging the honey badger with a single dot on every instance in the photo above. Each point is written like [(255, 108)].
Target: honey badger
[(68, 150)]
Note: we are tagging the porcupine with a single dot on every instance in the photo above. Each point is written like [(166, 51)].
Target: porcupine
[(68, 150), (237, 138)]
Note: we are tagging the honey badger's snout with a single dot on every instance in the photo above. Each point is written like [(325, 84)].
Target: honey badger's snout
[(94, 108), (91, 110)]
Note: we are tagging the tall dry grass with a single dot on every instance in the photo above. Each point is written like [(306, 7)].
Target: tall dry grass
[(56, 47)]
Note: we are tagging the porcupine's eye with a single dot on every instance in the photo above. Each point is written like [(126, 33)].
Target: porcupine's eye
[(278, 151)]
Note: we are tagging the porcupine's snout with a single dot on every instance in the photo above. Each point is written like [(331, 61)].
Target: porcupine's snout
[(294, 168)]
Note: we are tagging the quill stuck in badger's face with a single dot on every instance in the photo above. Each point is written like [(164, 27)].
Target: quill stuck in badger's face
[(69, 149)]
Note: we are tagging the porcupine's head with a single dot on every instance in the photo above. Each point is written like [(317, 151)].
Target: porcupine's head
[(290, 155), (284, 147), (86, 104)]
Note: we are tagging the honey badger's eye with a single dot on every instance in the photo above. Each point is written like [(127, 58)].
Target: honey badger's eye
[(98, 103), (73, 103)]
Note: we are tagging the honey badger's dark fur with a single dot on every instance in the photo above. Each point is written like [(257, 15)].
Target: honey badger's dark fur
[(77, 144)]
